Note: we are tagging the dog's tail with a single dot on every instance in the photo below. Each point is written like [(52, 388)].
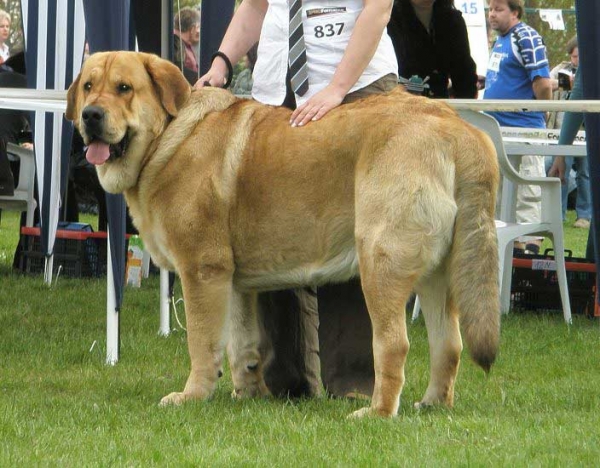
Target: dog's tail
[(474, 253)]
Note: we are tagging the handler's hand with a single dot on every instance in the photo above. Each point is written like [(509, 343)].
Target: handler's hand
[(216, 76), (317, 106), (558, 169)]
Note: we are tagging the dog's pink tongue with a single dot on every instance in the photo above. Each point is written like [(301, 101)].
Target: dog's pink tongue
[(97, 153)]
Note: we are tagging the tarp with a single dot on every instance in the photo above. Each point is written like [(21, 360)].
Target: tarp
[(107, 28), (54, 40), (588, 32), (216, 15)]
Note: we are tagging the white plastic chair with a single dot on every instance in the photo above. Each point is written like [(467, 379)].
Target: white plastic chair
[(23, 199), (508, 230)]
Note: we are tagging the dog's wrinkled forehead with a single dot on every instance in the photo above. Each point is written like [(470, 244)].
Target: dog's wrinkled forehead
[(109, 73)]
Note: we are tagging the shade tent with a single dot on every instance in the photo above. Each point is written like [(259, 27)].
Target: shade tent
[(588, 32), (110, 26), (215, 17), (54, 41), (107, 28)]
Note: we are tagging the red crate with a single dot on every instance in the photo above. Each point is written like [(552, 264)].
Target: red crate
[(535, 288), (77, 253)]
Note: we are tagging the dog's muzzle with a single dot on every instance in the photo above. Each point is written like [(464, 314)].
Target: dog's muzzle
[(93, 120)]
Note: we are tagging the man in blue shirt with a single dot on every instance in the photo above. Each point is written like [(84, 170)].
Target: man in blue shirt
[(518, 69)]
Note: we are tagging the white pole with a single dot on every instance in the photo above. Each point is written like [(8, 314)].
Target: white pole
[(112, 315), (165, 319), (48, 267)]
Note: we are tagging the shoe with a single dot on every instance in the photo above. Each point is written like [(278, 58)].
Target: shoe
[(529, 248), (582, 223), (519, 249)]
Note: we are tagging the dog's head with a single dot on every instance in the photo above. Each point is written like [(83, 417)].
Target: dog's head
[(120, 103)]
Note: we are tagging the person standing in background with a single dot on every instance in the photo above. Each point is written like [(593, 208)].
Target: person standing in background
[(186, 28), (4, 33), (518, 69), (561, 165), (431, 42), (563, 77)]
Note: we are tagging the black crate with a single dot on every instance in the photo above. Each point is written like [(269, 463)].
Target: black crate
[(535, 286), (76, 253)]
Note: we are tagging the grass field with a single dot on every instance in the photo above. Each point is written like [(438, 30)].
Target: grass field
[(60, 405)]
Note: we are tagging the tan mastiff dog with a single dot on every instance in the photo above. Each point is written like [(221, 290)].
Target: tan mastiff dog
[(224, 192)]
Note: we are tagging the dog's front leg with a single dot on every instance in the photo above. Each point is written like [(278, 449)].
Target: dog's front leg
[(243, 348), (207, 293)]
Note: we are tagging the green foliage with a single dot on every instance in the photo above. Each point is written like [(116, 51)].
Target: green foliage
[(185, 3), (60, 405)]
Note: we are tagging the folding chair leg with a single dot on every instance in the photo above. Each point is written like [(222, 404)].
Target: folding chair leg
[(561, 272)]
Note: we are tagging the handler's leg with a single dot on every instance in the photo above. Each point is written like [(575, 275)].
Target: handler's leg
[(345, 340), (345, 337), (289, 321)]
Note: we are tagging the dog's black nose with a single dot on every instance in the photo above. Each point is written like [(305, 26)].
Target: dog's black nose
[(93, 117)]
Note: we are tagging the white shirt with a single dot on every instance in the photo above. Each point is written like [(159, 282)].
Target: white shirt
[(327, 25), (4, 52)]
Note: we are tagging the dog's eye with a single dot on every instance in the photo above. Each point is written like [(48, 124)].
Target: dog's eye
[(87, 86), (124, 88)]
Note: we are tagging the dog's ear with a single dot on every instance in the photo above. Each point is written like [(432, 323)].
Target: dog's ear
[(173, 88), (71, 112)]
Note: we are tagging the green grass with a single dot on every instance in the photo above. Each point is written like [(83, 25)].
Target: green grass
[(60, 405)]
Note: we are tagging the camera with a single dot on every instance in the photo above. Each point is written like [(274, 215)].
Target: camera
[(564, 80)]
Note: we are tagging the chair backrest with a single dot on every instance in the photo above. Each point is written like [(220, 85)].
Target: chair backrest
[(23, 198), (490, 126), (27, 166), (550, 186)]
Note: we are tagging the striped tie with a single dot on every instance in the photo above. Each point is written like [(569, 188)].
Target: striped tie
[(297, 57)]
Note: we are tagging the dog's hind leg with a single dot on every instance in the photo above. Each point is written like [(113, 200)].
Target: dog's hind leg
[(387, 288), (243, 348), (207, 292), (445, 344)]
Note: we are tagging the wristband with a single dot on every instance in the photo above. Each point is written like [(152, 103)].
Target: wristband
[(229, 66)]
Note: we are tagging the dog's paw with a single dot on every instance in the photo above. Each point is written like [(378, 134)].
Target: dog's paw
[(422, 405), (174, 399), (361, 413), (369, 412), (253, 391)]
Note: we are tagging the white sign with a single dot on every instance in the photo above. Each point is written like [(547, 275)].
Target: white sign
[(554, 18), (474, 14)]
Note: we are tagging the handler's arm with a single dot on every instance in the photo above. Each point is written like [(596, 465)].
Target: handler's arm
[(364, 40), (243, 32)]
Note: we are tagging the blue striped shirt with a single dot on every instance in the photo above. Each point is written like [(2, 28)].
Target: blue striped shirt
[(517, 58)]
